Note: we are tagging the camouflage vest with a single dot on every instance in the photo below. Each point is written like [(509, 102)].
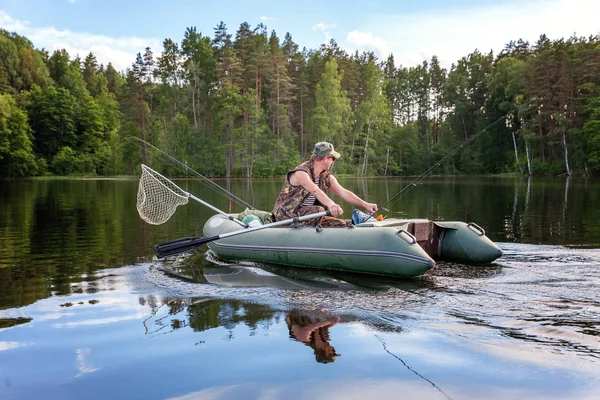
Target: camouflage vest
[(291, 197)]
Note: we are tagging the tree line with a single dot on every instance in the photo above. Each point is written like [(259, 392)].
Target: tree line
[(251, 105)]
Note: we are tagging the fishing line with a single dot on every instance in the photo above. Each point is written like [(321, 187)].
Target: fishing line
[(186, 169), (409, 368), (437, 164)]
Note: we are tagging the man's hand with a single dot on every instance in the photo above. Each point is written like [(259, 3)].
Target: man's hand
[(336, 210), (371, 208)]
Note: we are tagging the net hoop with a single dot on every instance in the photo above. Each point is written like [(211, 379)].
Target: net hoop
[(158, 197)]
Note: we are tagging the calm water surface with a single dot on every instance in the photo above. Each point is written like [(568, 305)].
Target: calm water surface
[(87, 313)]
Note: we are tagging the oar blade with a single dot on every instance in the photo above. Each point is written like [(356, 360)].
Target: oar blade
[(183, 245)]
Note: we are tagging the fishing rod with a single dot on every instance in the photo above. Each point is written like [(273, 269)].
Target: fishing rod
[(187, 169), (437, 164)]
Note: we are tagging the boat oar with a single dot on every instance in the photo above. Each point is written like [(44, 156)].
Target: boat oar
[(190, 243)]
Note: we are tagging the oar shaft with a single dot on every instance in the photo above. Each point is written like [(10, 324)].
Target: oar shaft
[(274, 224), (183, 245)]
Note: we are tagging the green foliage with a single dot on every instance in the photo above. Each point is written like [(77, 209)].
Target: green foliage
[(9, 64), (332, 108), (248, 104), (16, 155), (67, 162), (53, 114), (21, 66), (591, 135), (372, 122), (64, 162)]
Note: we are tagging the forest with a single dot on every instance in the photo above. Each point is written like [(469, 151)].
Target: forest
[(250, 104)]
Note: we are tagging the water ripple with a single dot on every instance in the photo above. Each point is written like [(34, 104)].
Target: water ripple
[(541, 295)]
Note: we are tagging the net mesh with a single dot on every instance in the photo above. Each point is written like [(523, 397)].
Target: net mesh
[(158, 197)]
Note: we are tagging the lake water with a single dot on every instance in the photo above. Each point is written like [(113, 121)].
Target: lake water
[(87, 313)]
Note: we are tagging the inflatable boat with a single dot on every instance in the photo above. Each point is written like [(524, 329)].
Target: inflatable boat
[(392, 247)]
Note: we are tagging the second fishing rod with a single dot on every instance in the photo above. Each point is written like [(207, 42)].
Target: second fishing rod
[(413, 183)]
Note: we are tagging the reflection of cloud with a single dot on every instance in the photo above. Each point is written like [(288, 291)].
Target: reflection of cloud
[(45, 312), (384, 389), (410, 344), (360, 330), (98, 321), (210, 394), (568, 359), (120, 51), (84, 369), (530, 353), (9, 345)]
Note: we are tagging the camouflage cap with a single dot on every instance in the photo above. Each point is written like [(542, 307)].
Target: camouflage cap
[(324, 149)]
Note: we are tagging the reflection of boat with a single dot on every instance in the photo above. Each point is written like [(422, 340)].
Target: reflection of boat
[(392, 247), (205, 268), (244, 276), (209, 270)]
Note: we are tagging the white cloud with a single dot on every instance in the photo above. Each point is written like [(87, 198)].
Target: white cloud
[(454, 33), (323, 27), (120, 51), (265, 18), (366, 41)]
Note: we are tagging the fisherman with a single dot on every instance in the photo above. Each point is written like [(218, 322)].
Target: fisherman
[(305, 190)]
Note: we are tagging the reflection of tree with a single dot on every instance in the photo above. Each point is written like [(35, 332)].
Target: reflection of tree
[(201, 314), (229, 313), (58, 233), (173, 307), (8, 322), (312, 329), (205, 314)]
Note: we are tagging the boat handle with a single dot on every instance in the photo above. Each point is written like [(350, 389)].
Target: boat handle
[(476, 228), (411, 239)]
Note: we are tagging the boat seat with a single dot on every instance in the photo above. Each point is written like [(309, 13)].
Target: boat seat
[(428, 237)]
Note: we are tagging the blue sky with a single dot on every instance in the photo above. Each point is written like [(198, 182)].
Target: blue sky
[(412, 30)]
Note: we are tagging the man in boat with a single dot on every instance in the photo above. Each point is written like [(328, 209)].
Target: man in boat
[(305, 190)]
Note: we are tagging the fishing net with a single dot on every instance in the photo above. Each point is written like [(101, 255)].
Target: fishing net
[(158, 197)]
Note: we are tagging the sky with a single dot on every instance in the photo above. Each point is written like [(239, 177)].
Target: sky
[(413, 31)]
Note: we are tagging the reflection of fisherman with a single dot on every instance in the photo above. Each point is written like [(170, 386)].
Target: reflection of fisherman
[(313, 331)]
